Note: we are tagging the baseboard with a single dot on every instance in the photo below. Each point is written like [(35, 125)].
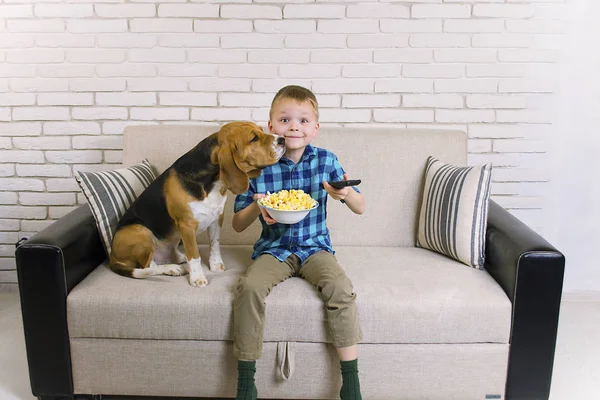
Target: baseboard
[(582, 295)]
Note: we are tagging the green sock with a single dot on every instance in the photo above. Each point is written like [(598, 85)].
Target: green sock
[(246, 389), (350, 384)]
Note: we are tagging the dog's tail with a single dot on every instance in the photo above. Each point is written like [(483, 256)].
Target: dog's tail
[(130, 269)]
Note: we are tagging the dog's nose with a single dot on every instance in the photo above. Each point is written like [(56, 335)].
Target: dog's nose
[(281, 140)]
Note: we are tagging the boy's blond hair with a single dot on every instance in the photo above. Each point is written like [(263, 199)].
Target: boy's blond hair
[(298, 93)]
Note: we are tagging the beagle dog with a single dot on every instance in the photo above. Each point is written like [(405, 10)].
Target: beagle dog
[(189, 197)]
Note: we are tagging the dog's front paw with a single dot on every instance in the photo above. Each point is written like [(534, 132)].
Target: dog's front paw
[(217, 267), (198, 280)]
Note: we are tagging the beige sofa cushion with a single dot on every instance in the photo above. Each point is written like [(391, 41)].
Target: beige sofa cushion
[(404, 295), (390, 162)]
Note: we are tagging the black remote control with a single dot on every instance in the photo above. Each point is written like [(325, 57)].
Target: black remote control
[(342, 184)]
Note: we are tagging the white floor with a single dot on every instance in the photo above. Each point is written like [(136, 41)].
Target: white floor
[(576, 366)]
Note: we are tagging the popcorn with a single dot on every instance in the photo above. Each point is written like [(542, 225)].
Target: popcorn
[(288, 200)]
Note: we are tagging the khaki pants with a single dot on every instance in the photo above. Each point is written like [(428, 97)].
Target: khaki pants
[(322, 270)]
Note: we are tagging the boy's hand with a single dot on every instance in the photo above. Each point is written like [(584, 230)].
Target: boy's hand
[(263, 211), (337, 194)]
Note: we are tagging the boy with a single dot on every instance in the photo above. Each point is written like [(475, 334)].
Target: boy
[(303, 249)]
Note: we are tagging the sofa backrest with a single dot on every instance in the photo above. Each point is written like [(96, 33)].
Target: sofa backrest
[(390, 161)]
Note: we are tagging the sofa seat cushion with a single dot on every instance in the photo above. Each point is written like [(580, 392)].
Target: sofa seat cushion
[(404, 295)]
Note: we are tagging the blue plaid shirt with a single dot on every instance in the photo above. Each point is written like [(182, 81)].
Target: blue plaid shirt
[(311, 234)]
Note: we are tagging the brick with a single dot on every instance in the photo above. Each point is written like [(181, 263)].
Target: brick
[(377, 41), (7, 198), (65, 71), (110, 156), (521, 146), (39, 85), (220, 114), (96, 56), (283, 26), (189, 10), (527, 55), (7, 170), (314, 11), (492, 101), (184, 40), (225, 26), (245, 99), (371, 71), (63, 10), (92, 113), (525, 116), (157, 55), (503, 40), (220, 84), (316, 41), (344, 115), (16, 11), (97, 85), (433, 71), (474, 25), (126, 99), (217, 56), (9, 225), (36, 26), (464, 116), (23, 212), (343, 86), (466, 85), (370, 100), (122, 70), (35, 56), (35, 226), (161, 114), (43, 170), (322, 56), (497, 70), (46, 199), (479, 146), (188, 99), (143, 40), (71, 128), (40, 113), (245, 71), (16, 71), (421, 56), (21, 128), (125, 10), (162, 25), (5, 143), (273, 85), (503, 10), (403, 85), (518, 202), (439, 40), (17, 99), (375, 10), (42, 143), (117, 127), (8, 238), (433, 101), (57, 212), (465, 55), (17, 40), (65, 99), (389, 115), (252, 41), (251, 12), (279, 56), (156, 84), (348, 26), (74, 157), (20, 184), (97, 25), (411, 26), (526, 86), (441, 11)]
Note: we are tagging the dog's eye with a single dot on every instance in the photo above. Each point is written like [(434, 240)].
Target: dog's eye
[(254, 139)]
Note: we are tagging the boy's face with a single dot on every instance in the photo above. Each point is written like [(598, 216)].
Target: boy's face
[(295, 121)]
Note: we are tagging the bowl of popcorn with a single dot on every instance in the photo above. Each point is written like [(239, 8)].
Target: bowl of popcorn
[(288, 206)]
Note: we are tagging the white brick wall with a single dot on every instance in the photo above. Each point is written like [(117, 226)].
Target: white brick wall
[(74, 74)]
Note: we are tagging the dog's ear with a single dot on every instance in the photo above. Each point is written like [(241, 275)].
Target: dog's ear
[(234, 178), (255, 173)]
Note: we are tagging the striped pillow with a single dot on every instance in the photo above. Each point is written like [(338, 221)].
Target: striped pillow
[(454, 211), (110, 193)]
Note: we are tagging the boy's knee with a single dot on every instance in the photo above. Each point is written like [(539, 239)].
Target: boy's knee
[(339, 290), (251, 288)]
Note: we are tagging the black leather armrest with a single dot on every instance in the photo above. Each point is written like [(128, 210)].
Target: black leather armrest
[(49, 265), (531, 273)]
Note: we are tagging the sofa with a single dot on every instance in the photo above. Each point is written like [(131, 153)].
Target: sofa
[(433, 328)]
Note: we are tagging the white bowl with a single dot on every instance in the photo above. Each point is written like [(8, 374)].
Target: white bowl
[(287, 216)]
